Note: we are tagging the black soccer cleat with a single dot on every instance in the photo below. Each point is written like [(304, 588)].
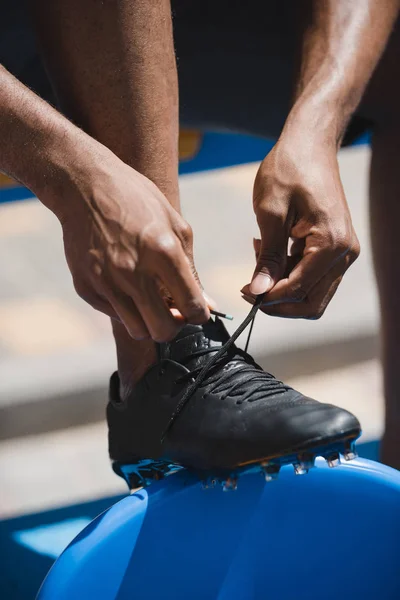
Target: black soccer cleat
[(208, 407)]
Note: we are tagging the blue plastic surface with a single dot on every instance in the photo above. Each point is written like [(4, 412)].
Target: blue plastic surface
[(323, 536)]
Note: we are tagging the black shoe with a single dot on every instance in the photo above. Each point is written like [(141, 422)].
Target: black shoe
[(207, 406)]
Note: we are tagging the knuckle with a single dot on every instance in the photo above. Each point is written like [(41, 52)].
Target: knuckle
[(270, 257), (271, 213), (342, 245), (185, 232), (346, 246), (123, 261), (315, 311), (355, 250), (164, 245), (315, 316)]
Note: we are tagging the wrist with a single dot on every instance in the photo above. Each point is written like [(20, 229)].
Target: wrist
[(67, 166), (313, 119), (324, 108)]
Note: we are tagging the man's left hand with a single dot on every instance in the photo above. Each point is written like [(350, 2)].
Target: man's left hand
[(298, 197)]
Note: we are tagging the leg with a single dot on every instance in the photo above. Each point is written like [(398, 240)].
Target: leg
[(102, 57), (237, 417), (381, 103), (385, 217)]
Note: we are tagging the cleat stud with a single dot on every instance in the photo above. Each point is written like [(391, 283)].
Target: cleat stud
[(333, 460), (350, 452), (307, 461), (271, 472), (349, 455), (300, 468), (208, 484), (230, 484), (134, 481)]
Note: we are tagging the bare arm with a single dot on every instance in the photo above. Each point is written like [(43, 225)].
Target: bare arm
[(114, 70), (342, 44), (38, 146), (298, 193)]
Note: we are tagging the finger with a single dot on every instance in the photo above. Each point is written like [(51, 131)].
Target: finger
[(256, 246), (291, 262), (157, 316), (308, 309), (176, 274), (285, 310), (315, 304), (95, 300), (271, 253), (298, 246), (104, 307), (127, 312), (313, 266)]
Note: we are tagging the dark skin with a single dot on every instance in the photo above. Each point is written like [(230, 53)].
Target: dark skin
[(113, 182), (124, 240), (298, 194)]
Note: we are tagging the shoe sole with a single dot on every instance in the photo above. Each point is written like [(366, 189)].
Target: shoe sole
[(144, 472)]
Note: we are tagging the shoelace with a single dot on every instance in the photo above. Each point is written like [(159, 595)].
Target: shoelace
[(221, 357)]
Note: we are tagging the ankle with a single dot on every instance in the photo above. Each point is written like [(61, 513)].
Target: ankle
[(134, 358)]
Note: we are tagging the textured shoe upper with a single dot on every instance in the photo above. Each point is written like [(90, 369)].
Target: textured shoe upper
[(235, 374), (235, 414)]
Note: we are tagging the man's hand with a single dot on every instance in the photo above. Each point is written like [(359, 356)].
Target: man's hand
[(298, 193), (128, 250), (298, 196)]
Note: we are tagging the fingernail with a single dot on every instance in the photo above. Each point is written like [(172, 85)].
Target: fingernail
[(261, 283)]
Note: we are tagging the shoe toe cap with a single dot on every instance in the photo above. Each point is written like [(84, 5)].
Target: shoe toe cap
[(312, 422)]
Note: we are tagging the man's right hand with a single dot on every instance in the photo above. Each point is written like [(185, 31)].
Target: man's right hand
[(127, 249)]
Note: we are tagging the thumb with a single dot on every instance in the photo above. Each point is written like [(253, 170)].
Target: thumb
[(271, 259)]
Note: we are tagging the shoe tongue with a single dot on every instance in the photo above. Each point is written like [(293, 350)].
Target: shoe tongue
[(194, 338)]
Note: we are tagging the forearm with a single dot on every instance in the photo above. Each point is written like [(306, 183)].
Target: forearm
[(38, 146), (342, 43), (113, 66)]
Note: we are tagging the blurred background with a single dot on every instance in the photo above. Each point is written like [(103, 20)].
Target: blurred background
[(56, 353)]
